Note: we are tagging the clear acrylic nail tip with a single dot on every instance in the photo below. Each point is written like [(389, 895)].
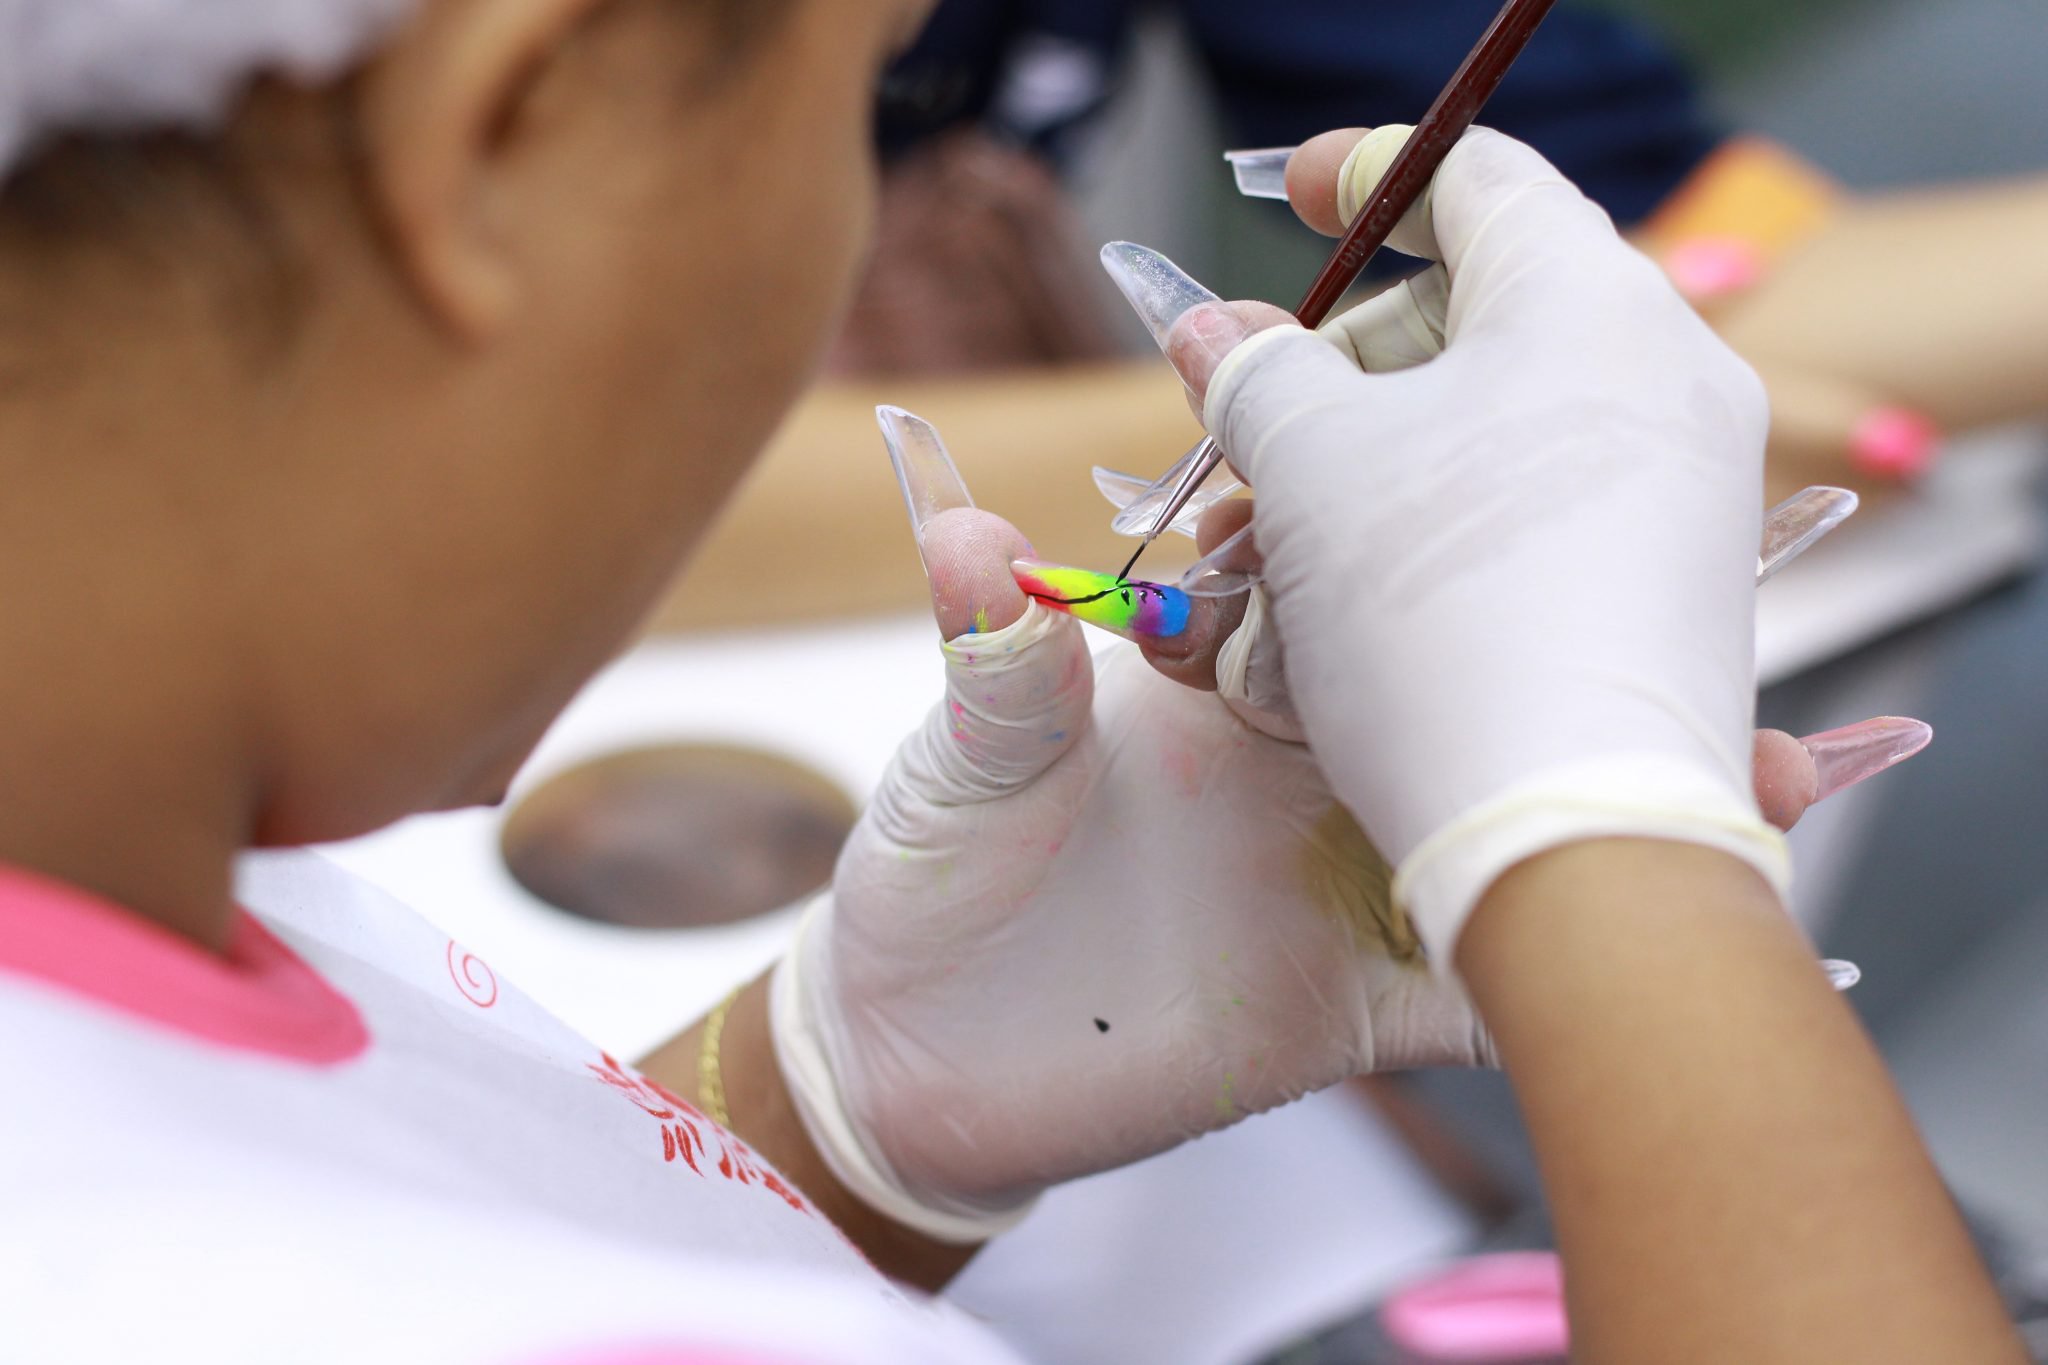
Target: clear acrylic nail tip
[(1141, 513), (1158, 289), (1219, 584), (1229, 569), (1261, 171), (1841, 975), (1122, 490), (1138, 518), (1792, 527), (924, 470), (1118, 488)]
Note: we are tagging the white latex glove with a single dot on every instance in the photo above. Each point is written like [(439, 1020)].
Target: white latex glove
[(1089, 915), (1515, 581)]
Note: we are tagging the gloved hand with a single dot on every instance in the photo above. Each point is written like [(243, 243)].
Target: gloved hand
[(1515, 581), (1090, 914)]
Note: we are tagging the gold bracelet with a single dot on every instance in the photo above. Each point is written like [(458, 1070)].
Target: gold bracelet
[(710, 1080)]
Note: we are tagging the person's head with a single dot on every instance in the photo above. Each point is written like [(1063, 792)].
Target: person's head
[(380, 412)]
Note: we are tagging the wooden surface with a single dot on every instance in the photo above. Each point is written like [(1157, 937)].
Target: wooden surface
[(819, 533)]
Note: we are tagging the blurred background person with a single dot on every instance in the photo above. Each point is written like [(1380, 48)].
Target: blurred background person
[(1009, 135)]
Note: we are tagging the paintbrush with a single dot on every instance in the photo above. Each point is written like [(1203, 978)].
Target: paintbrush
[(1448, 118)]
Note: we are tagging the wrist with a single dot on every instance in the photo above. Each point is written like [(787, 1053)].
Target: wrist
[(1641, 796), (809, 1039), (1615, 915), (766, 1115), (760, 1111)]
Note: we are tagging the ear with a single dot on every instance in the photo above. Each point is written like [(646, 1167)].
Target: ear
[(432, 109)]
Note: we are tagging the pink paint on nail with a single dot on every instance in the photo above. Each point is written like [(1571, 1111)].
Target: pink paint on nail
[(1894, 443), (1844, 757), (1707, 268), (1505, 1307)]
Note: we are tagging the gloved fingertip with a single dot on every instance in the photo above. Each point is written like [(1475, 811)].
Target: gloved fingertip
[(1312, 178), (1360, 177), (967, 554), (1783, 775), (1189, 657)]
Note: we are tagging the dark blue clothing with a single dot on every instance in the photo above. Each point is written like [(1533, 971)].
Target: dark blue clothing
[(1595, 93)]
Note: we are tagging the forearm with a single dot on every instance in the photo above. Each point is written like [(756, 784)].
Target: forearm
[(1732, 1173), (763, 1114), (815, 533)]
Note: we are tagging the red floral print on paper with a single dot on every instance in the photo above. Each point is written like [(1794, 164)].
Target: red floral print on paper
[(687, 1135)]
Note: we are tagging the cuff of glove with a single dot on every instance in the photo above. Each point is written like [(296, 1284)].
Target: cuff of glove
[(801, 1052), (1644, 796), (1243, 428)]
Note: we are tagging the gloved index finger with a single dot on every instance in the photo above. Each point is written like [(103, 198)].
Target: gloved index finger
[(1398, 328), (1018, 680)]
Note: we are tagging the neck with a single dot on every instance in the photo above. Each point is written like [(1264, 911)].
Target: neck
[(169, 865), (114, 776), (124, 757)]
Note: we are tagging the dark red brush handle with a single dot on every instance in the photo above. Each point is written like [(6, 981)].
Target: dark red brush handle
[(1426, 149)]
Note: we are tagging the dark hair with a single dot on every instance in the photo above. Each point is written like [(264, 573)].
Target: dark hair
[(152, 192)]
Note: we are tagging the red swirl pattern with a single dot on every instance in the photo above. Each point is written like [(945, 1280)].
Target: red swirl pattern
[(472, 976)]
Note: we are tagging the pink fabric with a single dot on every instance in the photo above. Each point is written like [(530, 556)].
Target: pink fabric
[(259, 997), (1506, 1307)]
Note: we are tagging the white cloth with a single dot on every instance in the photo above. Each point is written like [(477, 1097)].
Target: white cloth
[(118, 65), (1222, 1250), (190, 1171)]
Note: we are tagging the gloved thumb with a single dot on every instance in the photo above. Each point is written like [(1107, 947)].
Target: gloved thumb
[(1018, 679), (1019, 682)]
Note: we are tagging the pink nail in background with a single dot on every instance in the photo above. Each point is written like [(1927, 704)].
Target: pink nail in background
[(1707, 268), (1894, 443), (1499, 1308)]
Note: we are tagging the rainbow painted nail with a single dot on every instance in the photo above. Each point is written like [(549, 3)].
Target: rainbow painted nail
[(1126, 606)]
